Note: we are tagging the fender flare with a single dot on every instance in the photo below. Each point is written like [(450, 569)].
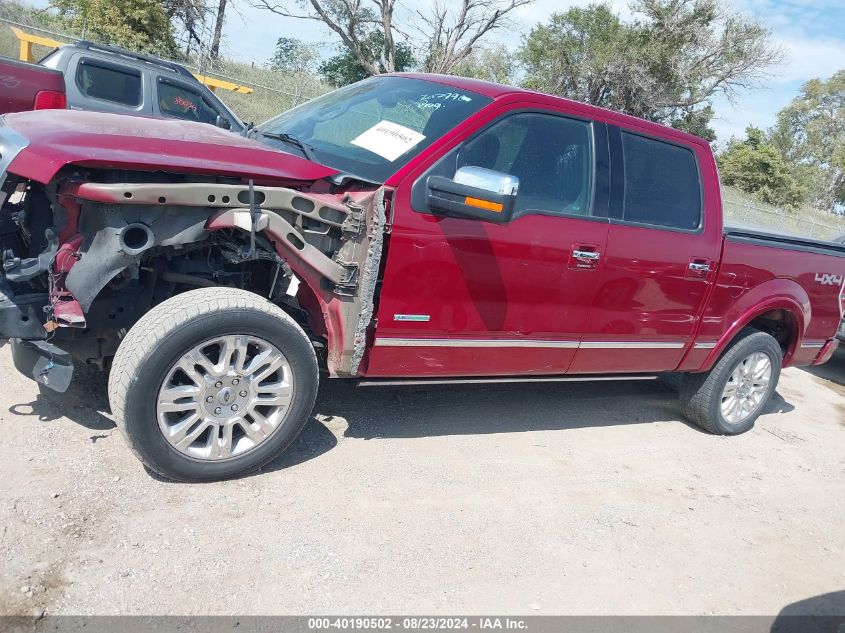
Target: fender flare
[(776, 294)]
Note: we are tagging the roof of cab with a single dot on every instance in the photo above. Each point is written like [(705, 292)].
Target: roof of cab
[(495, 91)]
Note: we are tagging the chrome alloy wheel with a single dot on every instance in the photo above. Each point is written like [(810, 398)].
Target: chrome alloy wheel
[(225, 397), (747, 386)]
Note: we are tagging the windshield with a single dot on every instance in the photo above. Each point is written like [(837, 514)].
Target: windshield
[(374, 127)]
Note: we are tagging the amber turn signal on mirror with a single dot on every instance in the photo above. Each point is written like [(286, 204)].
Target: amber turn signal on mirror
[(497, 207)]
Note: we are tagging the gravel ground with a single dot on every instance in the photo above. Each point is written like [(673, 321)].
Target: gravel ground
[(572, 498)]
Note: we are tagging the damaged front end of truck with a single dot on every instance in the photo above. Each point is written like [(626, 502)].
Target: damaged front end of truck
[(87, 253)]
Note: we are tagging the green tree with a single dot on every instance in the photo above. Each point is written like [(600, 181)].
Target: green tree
[(345, 68), (665, 65), (758, 168), (139, 25), (810, 132), (294, 56), (696, 121), (491, 63)]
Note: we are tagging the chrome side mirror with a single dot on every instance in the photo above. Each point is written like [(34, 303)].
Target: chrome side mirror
[(488, 180), (474, 193)]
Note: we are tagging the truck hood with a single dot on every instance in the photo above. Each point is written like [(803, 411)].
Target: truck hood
[(56, 138)]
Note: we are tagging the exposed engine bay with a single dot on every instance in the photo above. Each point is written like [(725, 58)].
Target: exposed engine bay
[(85, 256)]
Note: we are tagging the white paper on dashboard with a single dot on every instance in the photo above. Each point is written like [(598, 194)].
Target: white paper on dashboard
[(388, 139)]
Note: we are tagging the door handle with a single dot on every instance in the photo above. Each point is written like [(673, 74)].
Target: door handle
[(586, 255), (698, 268)]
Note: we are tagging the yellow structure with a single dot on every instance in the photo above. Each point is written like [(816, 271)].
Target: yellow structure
[(214, 84), (27, 40)]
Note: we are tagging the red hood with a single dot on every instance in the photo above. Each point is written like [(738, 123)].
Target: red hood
[(92, 139)]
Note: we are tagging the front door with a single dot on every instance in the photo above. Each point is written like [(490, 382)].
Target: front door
[(462, 297)]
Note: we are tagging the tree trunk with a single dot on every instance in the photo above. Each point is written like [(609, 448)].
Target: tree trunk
[(218, 30)]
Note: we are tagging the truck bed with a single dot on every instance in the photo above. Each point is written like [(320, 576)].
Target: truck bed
[(748, 234)]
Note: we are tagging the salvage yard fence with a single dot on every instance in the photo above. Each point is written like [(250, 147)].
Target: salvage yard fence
[(807, 221)]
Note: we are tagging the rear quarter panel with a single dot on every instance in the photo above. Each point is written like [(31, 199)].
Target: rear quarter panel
[(754, 279)]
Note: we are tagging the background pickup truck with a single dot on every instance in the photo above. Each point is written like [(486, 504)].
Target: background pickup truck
[(405, 229), (26, 86)]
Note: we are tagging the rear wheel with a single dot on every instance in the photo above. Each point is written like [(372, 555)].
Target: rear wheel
[(213, 383), (729, 398)]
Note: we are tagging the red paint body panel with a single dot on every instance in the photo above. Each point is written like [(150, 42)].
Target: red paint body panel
[(480, 281), (92, 139), (21, 83)]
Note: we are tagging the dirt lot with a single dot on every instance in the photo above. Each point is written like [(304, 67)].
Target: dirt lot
[(575, 498)]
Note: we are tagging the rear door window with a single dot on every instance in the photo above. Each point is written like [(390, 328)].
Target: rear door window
[(182, 102), (109, 82), (662, 184)]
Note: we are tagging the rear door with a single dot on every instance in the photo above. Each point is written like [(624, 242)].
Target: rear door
[(461, 297), (661, 256)]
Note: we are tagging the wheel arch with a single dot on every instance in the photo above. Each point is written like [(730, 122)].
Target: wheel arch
[(780, 307)]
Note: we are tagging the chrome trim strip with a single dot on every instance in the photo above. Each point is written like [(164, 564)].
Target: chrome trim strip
[(631, 345), (813, 345), (447, 342), (506, 380), (705, 345), (417, 318)]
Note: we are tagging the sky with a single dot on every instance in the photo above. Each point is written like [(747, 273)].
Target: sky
[(809, 32)]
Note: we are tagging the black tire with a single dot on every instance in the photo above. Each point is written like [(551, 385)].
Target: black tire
[(157, 341), (701, 394)]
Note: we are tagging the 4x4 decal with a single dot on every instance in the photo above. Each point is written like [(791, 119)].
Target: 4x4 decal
[(828, 279)]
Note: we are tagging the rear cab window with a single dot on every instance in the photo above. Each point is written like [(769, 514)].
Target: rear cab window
[(105, 81), (661, 184)]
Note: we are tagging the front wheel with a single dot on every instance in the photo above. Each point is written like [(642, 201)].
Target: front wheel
[(729, 398), (213, 383)]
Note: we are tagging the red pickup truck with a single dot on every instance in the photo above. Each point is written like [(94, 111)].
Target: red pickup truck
[(25, 86), (405, 229)]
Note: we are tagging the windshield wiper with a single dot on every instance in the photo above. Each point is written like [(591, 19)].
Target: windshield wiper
[(306, 149)]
